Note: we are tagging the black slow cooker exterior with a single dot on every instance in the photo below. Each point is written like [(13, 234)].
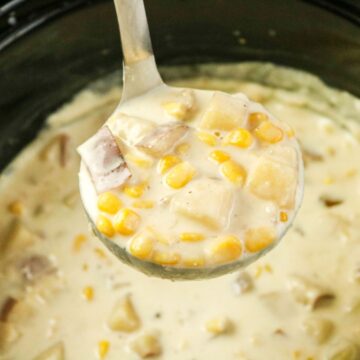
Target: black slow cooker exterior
[(50, 49)]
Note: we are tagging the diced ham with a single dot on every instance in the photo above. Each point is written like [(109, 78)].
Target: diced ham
[(162, 139), (104, 161)]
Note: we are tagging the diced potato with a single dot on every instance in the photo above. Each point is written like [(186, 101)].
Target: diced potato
[(55, 352), (166, 163), (225, 112), (179, 175), (319, 329), (162, 139), (271, 180), (109, 203), (257, 239), (123, 316), (309, 293), (226, 249), (218, 325), (105, 226), (239, 137), (195, 203), (129, 129), (146, 345), (142, 245), (233, 172), (126, 222)]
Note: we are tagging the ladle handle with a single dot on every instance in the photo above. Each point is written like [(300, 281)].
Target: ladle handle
[(140, 71)]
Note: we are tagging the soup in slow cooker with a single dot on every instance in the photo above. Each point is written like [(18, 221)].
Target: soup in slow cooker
[(64, 296)]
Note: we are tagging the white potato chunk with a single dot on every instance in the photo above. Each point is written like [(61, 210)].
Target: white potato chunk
[(146, 345), (123, 316), (163, 139), (274, 181), (104, 161), (55, 352), (195, 202), (319, 329), (225, 112), (129, 129)]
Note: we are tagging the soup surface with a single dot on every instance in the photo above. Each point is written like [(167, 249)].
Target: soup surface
[(64, 296)]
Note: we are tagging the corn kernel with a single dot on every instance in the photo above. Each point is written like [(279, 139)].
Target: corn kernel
[(126, 222), (179, 110), (166, 258), (166, 163), (16, 207), (194, 262), (139, 161), (268, 268), (259, 238), (239, 137), (182, 149), (255, 119), (234, 172), (290, 132), (218, 325), (141, 246), (227, 249), (100, 253), (134, 191), (258, 271), (108, 203), (105, 226), (219, 156), (103, 348), (283, 216), (191, 237), (178, 176), (88, 293), (79, 240), (146, 345), (143, 204), (207, 138), (268, 132), (328, 180)]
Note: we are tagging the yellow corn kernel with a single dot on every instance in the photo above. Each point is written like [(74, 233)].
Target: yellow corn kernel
[(259, 238), (179, 175), (328, 180), (16, 207), (191, 237), (103, 348), (218, 325), (268, 132), (258, 271), (88, 293), (234, 172), (105, 226), (141, 246), (290, 132), (100, 253), (194, 262), (166, 163), (146, 345), (126, 222), (179, 110), (166, 258), (219, 156), (182, 149), (134, 191), (283, 216), (79, 240), (268, 268), (239, 137), (139, 161), (143, 204), (108, 203), (227, 249), (255, 119), (207, 138)]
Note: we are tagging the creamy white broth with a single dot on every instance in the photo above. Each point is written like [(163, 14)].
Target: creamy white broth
[(267, 322)]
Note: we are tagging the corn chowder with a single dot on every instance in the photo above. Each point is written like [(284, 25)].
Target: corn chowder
[(191, 178), (63, 296)]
